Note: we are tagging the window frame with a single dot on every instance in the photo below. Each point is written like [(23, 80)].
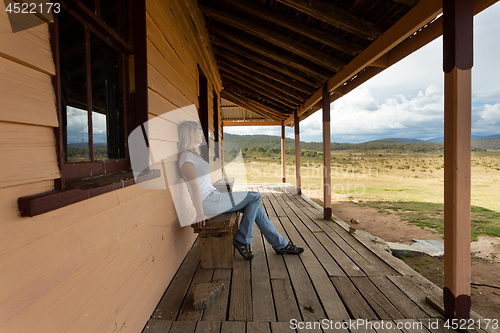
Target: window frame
[(133, 54), (69, 191)]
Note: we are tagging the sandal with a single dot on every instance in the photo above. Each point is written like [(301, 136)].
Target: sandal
[(290, 249), (243, 249)]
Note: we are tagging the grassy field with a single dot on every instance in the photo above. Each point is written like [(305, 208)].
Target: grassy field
[(409, 184)]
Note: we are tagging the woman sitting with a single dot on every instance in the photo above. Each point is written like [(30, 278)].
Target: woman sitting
[(209, 202)]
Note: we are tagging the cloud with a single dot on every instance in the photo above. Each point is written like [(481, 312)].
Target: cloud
[(406, 99)]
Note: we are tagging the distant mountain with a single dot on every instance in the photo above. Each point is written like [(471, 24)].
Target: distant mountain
[(490, 144), (473, 138), (400, 140)]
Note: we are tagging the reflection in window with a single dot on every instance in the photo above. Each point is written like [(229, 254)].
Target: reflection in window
[(100, 137), (107, 97), (73, 88), (77, 135)]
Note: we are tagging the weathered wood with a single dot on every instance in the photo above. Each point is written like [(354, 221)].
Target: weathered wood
[(298, 182), (262, 300), (264, 70), (301, 28), (327, 163), (379, 303), (415, 294), (355, 303), (183, 327), (397, 297), (361, 255), (367, 266), (258, 327), (284, 299), (236, 99), (298, 76), (218, 311), (337, 17), (261, 81), (313, 71), (283, 165), (329, 264), (412, 326), (348, 266), (271, 93), (208, 327), (457, 183), (271, 36), (240, 303), (271, 108), (157, 326), (187, 311), (281, 327), (233, 327), (328, 296)]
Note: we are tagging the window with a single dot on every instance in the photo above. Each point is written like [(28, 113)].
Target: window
[(203, 111), (95, 63), (99, 50)]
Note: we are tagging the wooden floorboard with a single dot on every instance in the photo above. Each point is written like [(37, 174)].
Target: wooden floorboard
[(338, 277)]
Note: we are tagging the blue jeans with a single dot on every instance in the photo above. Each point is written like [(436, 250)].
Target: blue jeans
[(247, 203)]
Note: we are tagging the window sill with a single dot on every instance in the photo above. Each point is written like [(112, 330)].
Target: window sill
[(80, 190)]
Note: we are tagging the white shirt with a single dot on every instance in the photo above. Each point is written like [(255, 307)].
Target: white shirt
[(202, 169)]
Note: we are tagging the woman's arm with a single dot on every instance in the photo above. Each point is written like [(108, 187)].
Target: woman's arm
[(189, 173)]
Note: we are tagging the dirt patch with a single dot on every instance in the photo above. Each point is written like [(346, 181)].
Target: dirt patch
[(485, 260)]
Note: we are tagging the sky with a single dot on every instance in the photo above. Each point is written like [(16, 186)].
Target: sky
[(406, 100)]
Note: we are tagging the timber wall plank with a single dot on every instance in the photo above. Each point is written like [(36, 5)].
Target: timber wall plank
[(100, 265), (29, 47)]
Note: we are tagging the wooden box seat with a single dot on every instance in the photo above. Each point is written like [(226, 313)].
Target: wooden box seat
[(216, 238)]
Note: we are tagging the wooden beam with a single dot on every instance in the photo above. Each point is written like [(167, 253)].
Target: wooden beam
[(261, 105), (327, 173), (234, 81), (301, 49), (269, 108), (255, 93), (283, 170), (253, 66), (266, 85), (421, 14), (299, 76), (337, 17), (424, 36), (251, 123), (311, 70), (457, 66), (239, 101), (301, 28), (297, 152), (263, 81)]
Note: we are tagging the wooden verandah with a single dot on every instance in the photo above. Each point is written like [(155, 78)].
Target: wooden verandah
[(339, 277)]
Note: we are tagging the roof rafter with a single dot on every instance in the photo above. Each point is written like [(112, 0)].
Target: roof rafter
[(266, 52), (301, 28), (300, 77), (263, 81), (257, 93), (231, 97), (271, 93), (251, 65), (301, 49), (337, 17)]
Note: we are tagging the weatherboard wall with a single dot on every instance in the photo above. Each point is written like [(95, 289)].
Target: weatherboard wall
[(100, 265)]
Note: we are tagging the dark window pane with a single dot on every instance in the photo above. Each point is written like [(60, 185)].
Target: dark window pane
[(115, 14), (73, 88), (107, 100), (90, 4)]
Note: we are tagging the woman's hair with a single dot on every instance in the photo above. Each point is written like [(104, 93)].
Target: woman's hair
[(187, 131)]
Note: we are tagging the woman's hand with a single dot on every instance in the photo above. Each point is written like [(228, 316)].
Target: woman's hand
[(200, 220)]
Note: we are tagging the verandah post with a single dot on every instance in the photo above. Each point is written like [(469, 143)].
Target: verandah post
[(283, 171), (457, 65), (297, 151), (327, 179)]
